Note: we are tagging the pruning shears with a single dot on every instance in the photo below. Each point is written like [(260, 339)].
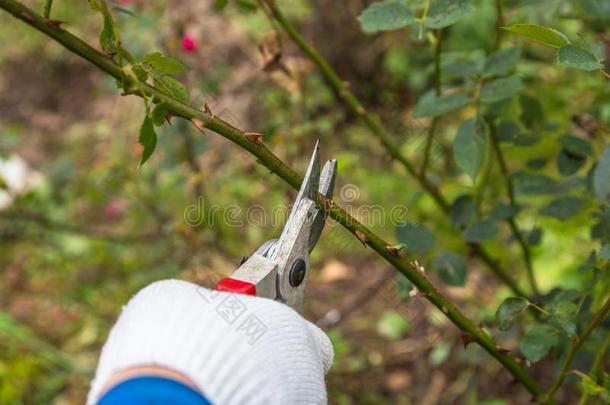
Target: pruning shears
[(279, 268)]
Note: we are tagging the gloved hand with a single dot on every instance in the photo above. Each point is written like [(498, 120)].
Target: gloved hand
[(236, 349)]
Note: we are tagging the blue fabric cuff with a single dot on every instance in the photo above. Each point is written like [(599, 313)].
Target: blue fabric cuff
[(152, 390)]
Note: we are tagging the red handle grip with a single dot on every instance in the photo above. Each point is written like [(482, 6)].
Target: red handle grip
[(236, 286)]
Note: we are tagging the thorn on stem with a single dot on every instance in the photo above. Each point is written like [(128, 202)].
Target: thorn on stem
[(361, 236), (198, 123), (328, 203), (111, 55), (55, 23), (415, 265), (168, 116), (392, 250), (467, 338), (207, 109), (502, 350), (254, 137), (27, 16)]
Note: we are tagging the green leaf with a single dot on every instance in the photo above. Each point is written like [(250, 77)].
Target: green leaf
[(576, 146), (392, 325), (172, 87), (601, 176), (470, 147), (158, 114), (432, 106), (535, 236), (462, 210), (590, 386), (496, 109), (595, 9), (480, 231), (247, 6), (443, 13), (462, 64), (109, 37), (509, 310), (502, 61), (526, 183), (526, 139), (148, 139), (563, 208), (386, 15), (163, 64), (568, 163), (577, 58), (532, 113), (451, 268), (561, 315), (108, 40), (504, 211), (604, 253), (417, 238), (140, 73), (537, 342), (601, 230), (536, 163), (569, 294), (545, 35), (123, 53), (500, 89), (220, 5), (507, 131)]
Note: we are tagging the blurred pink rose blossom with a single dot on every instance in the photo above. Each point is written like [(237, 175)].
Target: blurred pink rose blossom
[(189, 44), (114, 209)]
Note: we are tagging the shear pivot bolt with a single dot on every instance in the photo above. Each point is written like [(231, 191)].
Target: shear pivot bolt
[(297, 273)]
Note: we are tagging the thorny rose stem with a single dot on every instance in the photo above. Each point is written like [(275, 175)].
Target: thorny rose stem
[(272, 162)]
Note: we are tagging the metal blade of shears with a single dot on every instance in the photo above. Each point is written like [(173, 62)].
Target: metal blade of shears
[(326, 188), (279, 268), (291, 251)]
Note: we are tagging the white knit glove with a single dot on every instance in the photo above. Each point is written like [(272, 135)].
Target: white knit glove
[(237, 349)]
